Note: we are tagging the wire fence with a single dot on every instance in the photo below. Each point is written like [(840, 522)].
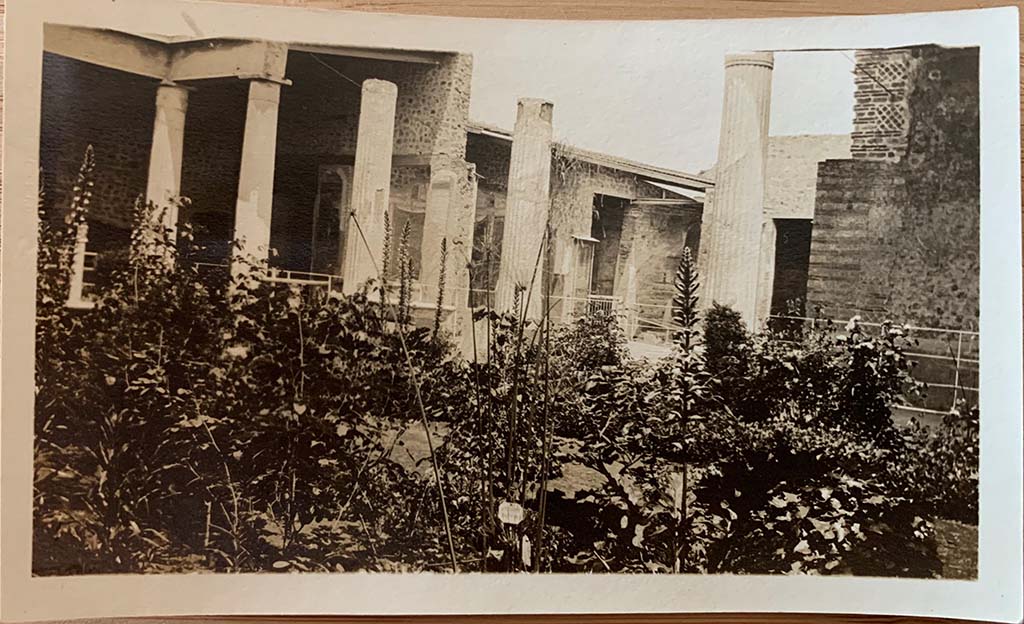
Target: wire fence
[(946, 360)]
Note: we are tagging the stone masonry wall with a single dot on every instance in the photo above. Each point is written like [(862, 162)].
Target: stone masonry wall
[(318, 121), (900, 239), (791, 174), (652, 245), (212, 158), (656, 235), (85, 104), (320, 111), (881, 117)]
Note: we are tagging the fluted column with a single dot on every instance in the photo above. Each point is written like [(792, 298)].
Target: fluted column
[(526, 212), (371, 184), (163, 186), (442, 197), (256, 174), (450, 217), (732, 223), (766, 272)]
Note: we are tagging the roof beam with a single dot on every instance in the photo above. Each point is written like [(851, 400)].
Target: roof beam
[(178, 61), (221, 59), (108, 48), (380, 54), (641, 171), (685, 202)]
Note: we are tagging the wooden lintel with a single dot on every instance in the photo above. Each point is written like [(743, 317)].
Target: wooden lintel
[(402, 56), (108, 48), (226, 58)]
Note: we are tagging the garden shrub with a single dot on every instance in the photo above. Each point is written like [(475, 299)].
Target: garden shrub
[(656, 421), (799, 497), (200, 420), (945, 472), (500, 450), (581, 353), (751, 374), (215, 420), (727, 342)]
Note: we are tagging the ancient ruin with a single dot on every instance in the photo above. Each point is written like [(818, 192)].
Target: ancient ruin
[(301, 151)]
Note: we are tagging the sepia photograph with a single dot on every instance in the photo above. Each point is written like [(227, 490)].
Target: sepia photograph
[(462, 304)]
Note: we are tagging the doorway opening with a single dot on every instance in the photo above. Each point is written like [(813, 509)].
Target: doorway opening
[(792, 259)]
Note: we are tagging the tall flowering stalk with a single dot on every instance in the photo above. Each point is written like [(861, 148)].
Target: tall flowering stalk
[(440, 287), (405, 274), (690, 384), (78, 229)]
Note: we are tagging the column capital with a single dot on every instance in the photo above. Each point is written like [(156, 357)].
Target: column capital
[(757, 59), (375, 85), (540, 107), (177, 86), (172, 95)]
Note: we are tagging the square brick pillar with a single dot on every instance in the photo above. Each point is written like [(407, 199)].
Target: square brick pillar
[(371, 184)]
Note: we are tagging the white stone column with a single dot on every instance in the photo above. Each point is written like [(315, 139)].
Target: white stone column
[(450, 216), (442, 197), (766, 270), (256, 175), (732, 223), (371, 184), (463, 229), (163, 185), (526, 214)]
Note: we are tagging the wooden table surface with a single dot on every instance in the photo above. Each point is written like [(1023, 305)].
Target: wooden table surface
[(599, 9)]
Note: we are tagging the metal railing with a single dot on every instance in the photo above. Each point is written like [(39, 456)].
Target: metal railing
[(567, 307), (602, 304), (286, 276), (92, 261), (946, 360)]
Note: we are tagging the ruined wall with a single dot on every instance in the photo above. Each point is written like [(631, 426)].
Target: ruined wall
[(491, 156), (408, 202), (85, 104), (655, 235), (881, 114), (318, 122), (856, 229), (296, 182), (320, 111), (652, 246), (900, 239), (791, 173)]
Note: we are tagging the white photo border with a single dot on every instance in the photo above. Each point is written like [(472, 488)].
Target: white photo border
[(995, 595)]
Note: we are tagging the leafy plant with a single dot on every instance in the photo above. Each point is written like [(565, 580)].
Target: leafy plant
[(197, 418), (944, 468)]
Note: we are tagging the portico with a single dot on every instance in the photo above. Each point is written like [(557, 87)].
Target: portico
[(289, 150)]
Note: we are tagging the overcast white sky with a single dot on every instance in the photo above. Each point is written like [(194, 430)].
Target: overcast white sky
[(606, 98), (650, 91)]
